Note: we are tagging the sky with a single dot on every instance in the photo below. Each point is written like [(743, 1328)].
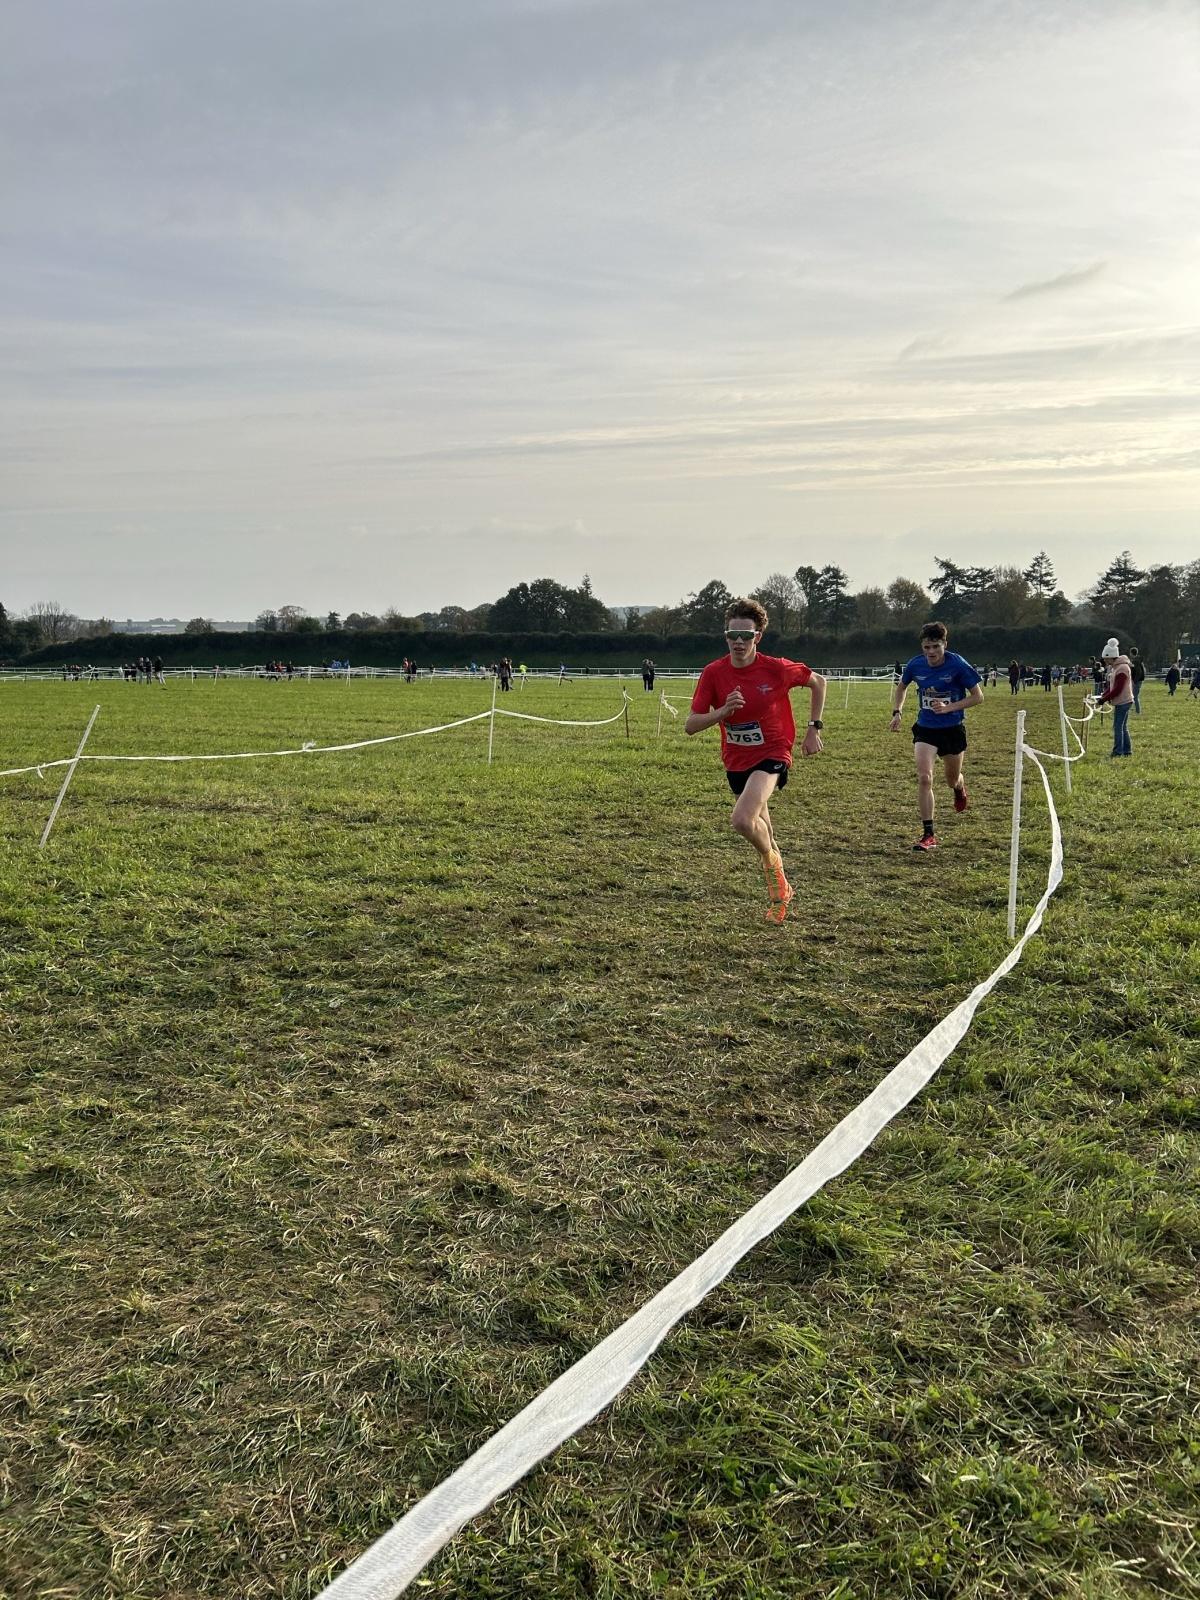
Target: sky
[(392, 303)]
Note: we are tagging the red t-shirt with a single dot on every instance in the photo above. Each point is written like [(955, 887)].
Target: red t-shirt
[(765, 729)]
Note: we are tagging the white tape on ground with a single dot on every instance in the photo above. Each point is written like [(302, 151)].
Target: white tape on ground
[(322, 749), (390, 1564), (262, 755)]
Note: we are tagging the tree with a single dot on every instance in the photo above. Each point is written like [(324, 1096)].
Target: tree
[(837, 607), (1117, 583), (826, 600), (54, 624), (289, 617), (266, 622), (1007, 601), (360, 622), (1039, 575), (1156, 613), (1058, 607), (948, 587), (704, 611), (871, 609), (977, 582), (545, 606), (808, 581), (662, 620), (910, 605), (784, 603), (199, 625), (306, 625), (1189, 602), (333, 623)]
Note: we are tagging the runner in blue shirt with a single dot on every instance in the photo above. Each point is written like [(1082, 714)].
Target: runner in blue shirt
[(946, 685)]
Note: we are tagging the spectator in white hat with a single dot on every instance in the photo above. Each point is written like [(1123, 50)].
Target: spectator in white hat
[(1118, 693)]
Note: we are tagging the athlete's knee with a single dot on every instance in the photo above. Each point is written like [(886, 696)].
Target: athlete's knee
[(744, 820)]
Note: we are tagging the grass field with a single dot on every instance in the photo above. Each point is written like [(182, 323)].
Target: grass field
[(348, 1099)]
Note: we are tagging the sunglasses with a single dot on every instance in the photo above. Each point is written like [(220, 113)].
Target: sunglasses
[(737, 633)]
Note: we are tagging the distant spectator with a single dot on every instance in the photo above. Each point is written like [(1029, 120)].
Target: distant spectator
[(1046, 678), (1173, 676), (1014, 676), (1139, 677), (647, 674), (159, 676)]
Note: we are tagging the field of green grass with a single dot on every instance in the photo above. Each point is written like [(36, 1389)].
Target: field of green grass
[(345, 1100)]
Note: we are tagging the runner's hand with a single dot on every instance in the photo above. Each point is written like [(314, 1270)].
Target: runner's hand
[(812, 745), (940, 706), (733, 705)]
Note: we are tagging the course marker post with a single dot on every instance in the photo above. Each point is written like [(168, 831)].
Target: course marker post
[(1015, 847), (67, 779), (1062, 725), (625, 698), (492, 720), (846, 702)]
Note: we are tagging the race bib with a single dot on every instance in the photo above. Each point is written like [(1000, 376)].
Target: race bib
[(743, 733), (928, 696)]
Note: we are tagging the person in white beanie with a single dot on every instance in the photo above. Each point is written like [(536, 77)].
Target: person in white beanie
[(1118, 693)]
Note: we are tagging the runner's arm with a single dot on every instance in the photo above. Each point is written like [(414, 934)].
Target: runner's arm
[(811, 744), (697, 721), (898, 707)]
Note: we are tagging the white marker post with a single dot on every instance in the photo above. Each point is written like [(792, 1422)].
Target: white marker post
[(492, 719), (1062, 724), (1015, 847), (67, 779), (846, 703)]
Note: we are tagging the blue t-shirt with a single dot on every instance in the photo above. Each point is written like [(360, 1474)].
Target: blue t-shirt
[(950, 681)]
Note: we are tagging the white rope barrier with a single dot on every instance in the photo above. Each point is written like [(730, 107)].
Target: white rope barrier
[(562, 722), (311, 749), (1070, 723), (389, 1565)]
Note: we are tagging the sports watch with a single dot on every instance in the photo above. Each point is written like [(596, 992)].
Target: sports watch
[(817, 724)]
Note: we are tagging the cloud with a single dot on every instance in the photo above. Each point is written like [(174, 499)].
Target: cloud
[(1065, 280)]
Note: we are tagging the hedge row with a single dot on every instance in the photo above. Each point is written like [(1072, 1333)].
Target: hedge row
[(1053, 643)]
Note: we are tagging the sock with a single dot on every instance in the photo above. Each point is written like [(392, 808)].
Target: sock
[(927, 829)]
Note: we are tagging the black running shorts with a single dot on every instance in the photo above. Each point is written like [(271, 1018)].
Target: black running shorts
[(946, 741), (737, 780)]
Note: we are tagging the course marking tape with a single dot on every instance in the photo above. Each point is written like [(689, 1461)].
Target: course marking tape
[(310, 749), (389, 1565)]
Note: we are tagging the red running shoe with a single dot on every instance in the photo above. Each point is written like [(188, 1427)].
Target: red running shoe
[(960, 797), (929, 842)]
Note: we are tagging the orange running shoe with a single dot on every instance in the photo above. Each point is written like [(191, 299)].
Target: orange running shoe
[(779, 889)]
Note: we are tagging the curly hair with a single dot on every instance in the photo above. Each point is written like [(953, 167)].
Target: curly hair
[(749, 609)]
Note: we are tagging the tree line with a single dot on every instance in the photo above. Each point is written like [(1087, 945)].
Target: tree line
[(1158, 606)]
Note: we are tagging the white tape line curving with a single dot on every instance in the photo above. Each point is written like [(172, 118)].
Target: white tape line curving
[(311, 749), (561, 722), (1072, 723), (393, 1561), (308, 749)]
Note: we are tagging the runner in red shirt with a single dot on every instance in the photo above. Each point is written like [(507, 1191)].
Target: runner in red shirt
[(746, 695)]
